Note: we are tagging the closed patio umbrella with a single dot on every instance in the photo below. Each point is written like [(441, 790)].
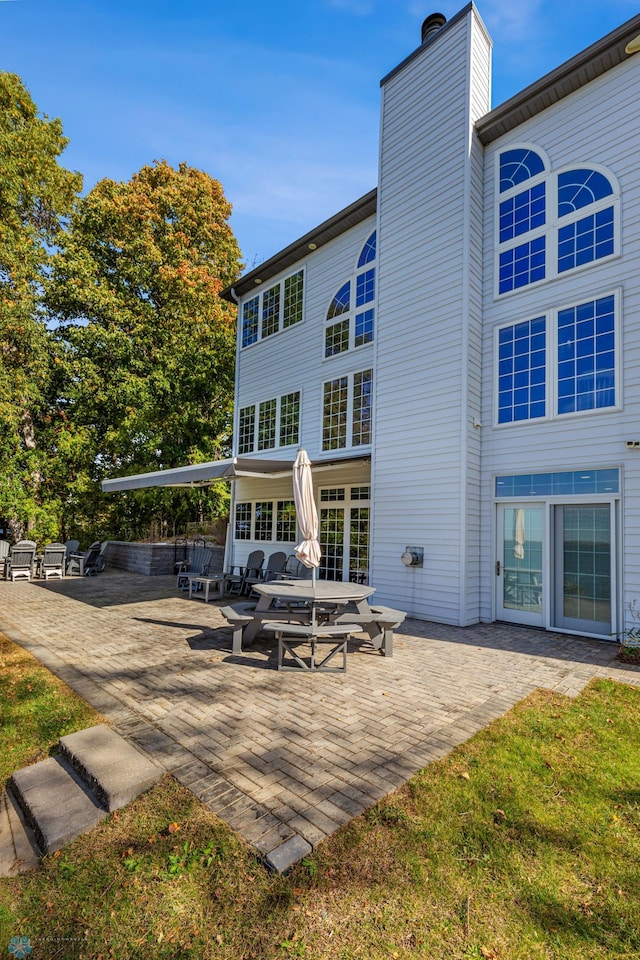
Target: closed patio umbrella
[(308, 550)]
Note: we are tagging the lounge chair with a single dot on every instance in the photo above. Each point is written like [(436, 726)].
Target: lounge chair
[(295, 569), (54, 561), (235, 579), (21, 560), (87, 564)]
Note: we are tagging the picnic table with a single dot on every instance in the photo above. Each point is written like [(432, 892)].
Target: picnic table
[(314, 604)]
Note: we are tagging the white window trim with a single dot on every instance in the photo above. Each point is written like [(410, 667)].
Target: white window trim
[(350, 375), (256, 425), (551, 372)]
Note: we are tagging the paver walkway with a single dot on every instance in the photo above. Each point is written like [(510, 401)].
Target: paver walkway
[(281, 755)]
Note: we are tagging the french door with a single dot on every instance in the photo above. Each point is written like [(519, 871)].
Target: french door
[(555, 566), (344, 534)]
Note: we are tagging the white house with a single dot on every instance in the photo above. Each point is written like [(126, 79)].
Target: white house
[(459, 350)]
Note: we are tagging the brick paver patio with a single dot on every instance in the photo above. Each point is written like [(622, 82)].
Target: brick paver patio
[(281, 755)]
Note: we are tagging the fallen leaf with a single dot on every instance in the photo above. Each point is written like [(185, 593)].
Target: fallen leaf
[(465, 775), (488, 954), (173, 827)]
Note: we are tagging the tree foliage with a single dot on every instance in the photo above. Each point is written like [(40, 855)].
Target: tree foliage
[(149, 344), (36, 194), (116, 351)]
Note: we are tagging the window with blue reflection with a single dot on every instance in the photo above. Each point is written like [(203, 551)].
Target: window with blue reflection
[(522, 213), (365, 287), (518, 165), (585, 240), (341, 301), (561, 483), (364, 328), (580, 188), (522, 265), (586, 356), (368, 252), (522, 371), (250, 316)]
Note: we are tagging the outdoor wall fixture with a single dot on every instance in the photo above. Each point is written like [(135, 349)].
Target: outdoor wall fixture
[(413, 557), (633, 443)]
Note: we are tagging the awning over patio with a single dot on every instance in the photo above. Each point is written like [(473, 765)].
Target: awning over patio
[(202, 474)]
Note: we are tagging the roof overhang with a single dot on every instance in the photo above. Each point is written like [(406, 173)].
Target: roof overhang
[(201, 474)]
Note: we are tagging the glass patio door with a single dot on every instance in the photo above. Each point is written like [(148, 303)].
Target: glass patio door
[(519, 568), (583, 568)]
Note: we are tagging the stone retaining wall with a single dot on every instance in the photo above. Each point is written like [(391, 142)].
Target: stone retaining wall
[(151, 559)]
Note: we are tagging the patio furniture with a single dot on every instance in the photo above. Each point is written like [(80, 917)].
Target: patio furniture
[(197, 564), (21, 560), (291, 635), (4, 557), (53, 561), (87, 564), (234, 582), (204, 583), (72, 547), (295, 569), (300, 601), (274, 568)]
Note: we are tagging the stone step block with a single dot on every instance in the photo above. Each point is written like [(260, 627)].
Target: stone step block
[(110, 766)]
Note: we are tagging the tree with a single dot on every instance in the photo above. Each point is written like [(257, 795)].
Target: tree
[(151, 346), (36, 194)]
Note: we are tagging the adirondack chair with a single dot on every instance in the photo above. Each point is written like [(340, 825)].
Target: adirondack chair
[(72, 547), (21, 560), (274, 568), (197, 564), (54, 561), (234, 580), (87, 564)]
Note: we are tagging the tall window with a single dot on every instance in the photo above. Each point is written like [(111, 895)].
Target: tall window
[(271, 423), (278, 307), (565, 362), (266, 520), (347, 411), (549, 223), (351, 313)]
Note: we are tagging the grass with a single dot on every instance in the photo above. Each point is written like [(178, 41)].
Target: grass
[(522, 844)]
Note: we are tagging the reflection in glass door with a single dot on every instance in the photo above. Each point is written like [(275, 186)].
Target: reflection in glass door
[(519, 571), (583, 568)]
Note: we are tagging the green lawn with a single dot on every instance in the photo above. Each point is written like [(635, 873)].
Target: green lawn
[(522, 844)]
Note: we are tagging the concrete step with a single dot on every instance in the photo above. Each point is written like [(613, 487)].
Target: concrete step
[(17, 841), (56, 804), (95, 772), (114, 771)]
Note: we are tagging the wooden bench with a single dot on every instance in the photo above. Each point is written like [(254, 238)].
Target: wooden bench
[(290, 634), (379, 623)]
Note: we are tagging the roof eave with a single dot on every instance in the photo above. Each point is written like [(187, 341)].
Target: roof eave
[(352, 215), (559, 83)]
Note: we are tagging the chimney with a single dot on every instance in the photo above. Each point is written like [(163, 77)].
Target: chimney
[(431, 25)]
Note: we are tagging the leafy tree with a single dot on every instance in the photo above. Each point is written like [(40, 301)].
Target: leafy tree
[(36, 194), (149, 343)]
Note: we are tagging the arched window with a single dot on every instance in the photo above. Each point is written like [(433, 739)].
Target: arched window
[(537, 240), (584, 234), (357, 313)]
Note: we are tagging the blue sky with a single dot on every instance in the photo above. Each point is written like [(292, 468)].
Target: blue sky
[(278, 100)]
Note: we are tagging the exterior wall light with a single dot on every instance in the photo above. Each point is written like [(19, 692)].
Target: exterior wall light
[(413, 557)]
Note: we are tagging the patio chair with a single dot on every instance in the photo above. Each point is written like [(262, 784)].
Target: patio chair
[(54, 561), (196, 565), (87, 564), (72, 547), (21, 560), (235, 579), (4, 557), (295, 569), (275, 566)]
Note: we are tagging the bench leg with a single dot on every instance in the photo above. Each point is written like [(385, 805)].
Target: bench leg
[(340, 647), (236, 646), (285, 647)]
